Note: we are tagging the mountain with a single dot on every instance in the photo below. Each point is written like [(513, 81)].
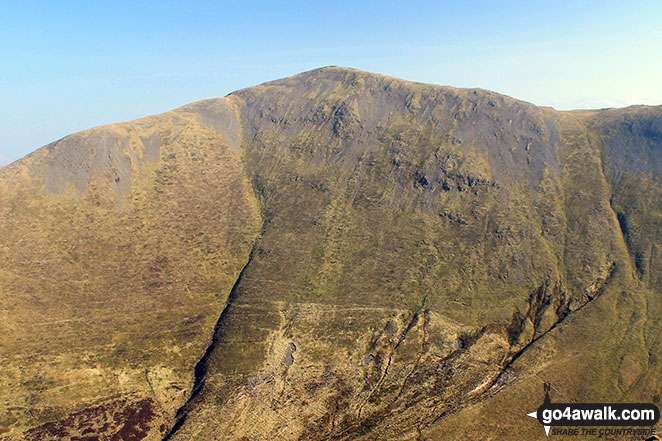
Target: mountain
[(335, 255)]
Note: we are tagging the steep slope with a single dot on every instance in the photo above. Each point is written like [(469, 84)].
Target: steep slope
[(400, 261), (417, 238), (611, 350)]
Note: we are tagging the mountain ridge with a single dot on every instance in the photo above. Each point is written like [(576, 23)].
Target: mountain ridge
[(332, 71), (419, 251)]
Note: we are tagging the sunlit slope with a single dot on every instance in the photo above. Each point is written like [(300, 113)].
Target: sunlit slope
[(119, 246)]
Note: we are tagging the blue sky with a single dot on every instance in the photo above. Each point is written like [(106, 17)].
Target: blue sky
[(69, 65)]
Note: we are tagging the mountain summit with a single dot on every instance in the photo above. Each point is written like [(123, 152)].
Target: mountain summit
[(335, 255)]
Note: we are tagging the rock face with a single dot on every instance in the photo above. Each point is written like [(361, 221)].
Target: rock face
[(335, 255)]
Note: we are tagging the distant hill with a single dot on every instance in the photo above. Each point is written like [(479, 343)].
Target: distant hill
[(336, 255)]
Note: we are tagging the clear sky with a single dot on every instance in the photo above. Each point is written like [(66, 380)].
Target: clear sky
[(69, 65)]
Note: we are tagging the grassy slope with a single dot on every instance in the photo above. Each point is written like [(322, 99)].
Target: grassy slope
[(109, 297)]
